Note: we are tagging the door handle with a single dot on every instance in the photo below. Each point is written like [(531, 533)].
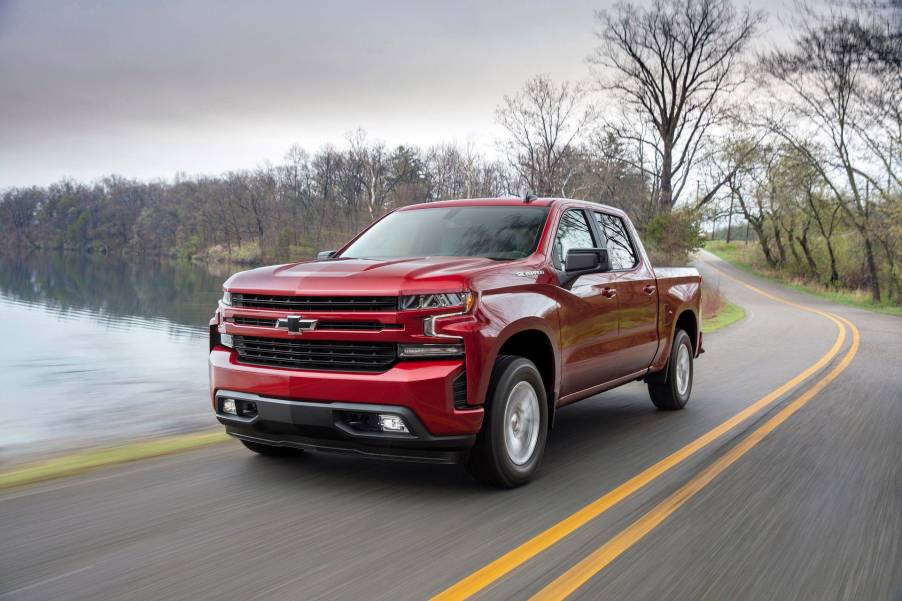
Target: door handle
[(609, 292), (650, 289)]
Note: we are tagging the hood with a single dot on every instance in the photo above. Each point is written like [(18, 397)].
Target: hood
[(375, 277)]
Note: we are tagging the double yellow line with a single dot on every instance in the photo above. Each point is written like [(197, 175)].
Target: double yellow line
[(580, 573)]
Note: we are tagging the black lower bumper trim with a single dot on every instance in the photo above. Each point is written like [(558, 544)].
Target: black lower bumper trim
[(325, 427), (331, 446)]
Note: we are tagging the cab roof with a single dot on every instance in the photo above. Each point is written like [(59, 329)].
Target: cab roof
[(507, 201)]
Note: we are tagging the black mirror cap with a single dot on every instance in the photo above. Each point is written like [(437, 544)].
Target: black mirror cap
[(587, 260), (325, 254)]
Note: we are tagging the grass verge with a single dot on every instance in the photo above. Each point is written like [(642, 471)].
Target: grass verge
[(741, 256), (91, 459), (728, 314)]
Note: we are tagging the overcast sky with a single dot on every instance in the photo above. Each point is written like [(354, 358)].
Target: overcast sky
[(148, 89)]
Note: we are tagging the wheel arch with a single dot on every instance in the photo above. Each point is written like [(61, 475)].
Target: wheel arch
[(687, 321), (532, 341)]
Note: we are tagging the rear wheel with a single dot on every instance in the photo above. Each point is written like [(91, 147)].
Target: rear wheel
[(270, 450), (512, 440), (670, 388)]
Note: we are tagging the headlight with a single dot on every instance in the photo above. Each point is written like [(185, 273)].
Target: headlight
[(464, 300), (225, 339), (226, 298)]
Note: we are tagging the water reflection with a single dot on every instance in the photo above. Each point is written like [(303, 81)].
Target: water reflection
[(113, 289), (101, 349)]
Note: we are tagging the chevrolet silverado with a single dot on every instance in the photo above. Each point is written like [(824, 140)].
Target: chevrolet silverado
[(452, 332)]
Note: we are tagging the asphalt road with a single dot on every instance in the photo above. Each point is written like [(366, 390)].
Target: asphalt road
[(812, 510)]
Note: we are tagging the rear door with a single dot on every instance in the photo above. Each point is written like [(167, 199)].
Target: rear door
[(588, 313), (637, 295)]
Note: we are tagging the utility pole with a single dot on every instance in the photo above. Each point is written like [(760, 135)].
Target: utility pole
[(730, 218), (698, 195)]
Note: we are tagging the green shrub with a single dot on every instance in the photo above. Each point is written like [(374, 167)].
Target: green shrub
[(670, 238)]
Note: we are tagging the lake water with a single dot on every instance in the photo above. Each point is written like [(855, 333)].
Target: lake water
[(101, 349)]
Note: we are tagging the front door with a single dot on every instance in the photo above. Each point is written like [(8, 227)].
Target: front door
[(588, 312)]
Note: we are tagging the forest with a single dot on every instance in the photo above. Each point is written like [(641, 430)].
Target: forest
[(689, 120)]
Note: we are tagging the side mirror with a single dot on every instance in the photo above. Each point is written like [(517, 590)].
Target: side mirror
[(325, 254), (583, 261), (587, 260)]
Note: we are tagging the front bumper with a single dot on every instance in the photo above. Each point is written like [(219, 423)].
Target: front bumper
[(331, 427), (304, 408)]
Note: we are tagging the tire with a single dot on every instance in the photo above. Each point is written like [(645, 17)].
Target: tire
[(270, 450), (670, 388), (510, 445)]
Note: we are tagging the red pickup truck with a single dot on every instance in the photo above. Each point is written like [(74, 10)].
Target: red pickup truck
[(451, 332)]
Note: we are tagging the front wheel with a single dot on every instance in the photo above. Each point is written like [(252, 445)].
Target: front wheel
[(512, 440), (670, 388)]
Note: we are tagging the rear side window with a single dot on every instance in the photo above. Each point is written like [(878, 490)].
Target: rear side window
[(572, 232), (620, 249)]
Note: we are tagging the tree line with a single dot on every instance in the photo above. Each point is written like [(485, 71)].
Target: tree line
[(274, 212), (680, 122)]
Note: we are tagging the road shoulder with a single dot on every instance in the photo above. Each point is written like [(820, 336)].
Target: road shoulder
[(79, 462)]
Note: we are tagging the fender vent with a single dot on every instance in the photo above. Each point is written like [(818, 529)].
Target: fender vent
[(459, 391)]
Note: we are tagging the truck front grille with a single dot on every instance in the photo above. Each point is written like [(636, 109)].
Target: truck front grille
[(325, 355), (257, 322), (315, 303)]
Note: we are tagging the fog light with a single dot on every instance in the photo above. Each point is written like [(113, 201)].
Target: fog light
[(392, 423), (226, 340), (228, 406)]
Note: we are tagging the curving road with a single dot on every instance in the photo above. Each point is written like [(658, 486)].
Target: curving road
[(800, 500)]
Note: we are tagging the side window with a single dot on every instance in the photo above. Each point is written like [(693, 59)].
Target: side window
[(620, 250), (572, 232)]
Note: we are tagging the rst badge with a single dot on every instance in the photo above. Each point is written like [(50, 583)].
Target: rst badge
[(296, 324)]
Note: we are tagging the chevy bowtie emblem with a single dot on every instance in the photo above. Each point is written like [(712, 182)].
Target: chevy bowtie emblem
[(296, 324)]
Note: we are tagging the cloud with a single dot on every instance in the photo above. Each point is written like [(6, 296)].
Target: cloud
[(149, 89)]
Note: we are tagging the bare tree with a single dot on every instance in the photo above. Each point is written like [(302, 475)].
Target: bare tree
[(17, 212), (605, 173), (673, 64), (825, 73), (379, 171), (878, 38), (296, 177), (544, 121)]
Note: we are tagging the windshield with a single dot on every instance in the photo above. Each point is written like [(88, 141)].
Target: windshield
[(496, 232)]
